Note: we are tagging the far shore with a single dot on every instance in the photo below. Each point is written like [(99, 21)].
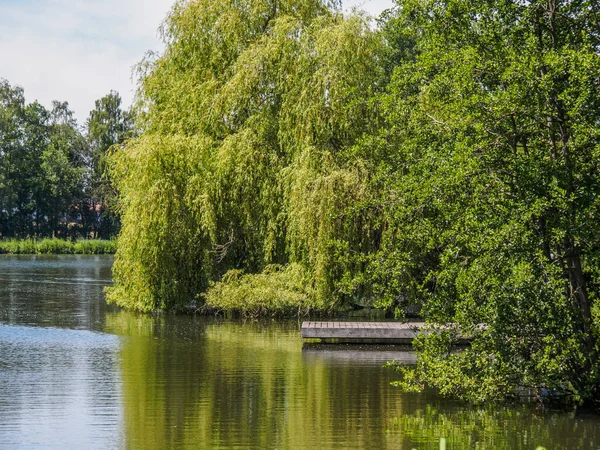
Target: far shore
[(57, 246)]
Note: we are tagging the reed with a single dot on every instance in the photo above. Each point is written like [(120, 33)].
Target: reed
[(56, 246)]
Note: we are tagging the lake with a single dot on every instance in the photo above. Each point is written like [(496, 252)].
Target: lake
[(76, 373)]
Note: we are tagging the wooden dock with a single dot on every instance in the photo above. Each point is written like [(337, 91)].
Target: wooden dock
[(361, 332)]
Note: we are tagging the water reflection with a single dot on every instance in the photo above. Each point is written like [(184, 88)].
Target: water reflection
[(76, 373), (233, 385), (58, 388), (496, 427), (194, 383), (54, 290), (353, 355)]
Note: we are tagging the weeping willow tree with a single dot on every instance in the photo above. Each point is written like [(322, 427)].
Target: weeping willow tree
[(250, 169)]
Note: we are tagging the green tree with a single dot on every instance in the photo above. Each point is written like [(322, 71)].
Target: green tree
[(42, 166), (249, 156), (107, 126), (62, 170), (22, 141), (494, 193)]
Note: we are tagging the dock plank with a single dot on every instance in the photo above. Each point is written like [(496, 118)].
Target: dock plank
[(375, 332)]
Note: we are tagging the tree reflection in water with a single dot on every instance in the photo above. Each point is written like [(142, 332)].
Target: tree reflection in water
[(199, 383)]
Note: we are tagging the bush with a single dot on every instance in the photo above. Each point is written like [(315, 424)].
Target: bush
[(278, 291)]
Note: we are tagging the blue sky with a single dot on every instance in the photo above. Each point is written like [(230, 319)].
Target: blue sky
[(78, 50)]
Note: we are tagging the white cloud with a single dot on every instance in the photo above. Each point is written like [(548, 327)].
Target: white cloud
[(76, 50), (79, 50)]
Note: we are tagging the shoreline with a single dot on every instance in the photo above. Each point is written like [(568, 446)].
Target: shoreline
[(57, 246)]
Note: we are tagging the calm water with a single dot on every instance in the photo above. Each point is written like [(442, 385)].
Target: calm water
[(75, 373)]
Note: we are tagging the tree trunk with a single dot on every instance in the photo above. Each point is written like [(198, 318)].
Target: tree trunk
[(577, 286)]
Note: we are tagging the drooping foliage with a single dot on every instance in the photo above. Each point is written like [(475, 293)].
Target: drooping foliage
[(250, 151), (496, 194)]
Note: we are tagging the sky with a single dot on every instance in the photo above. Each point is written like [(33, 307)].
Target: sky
[(80, 50)]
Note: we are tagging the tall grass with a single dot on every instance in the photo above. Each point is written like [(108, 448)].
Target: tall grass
[(55, 246)]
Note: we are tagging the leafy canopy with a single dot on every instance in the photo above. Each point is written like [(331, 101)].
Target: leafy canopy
[(252, 117), (496, 192)]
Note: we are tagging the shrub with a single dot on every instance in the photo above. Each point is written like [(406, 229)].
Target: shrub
[(278, 291)]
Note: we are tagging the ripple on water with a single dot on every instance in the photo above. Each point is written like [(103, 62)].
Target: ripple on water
[(59, 386), (167, 381)]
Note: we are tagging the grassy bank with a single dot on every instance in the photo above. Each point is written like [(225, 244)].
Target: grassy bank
[(57, 246)]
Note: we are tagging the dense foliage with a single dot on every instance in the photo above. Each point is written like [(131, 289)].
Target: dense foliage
[(498, 191), (107, 127), (51, 181), (293, 158)]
